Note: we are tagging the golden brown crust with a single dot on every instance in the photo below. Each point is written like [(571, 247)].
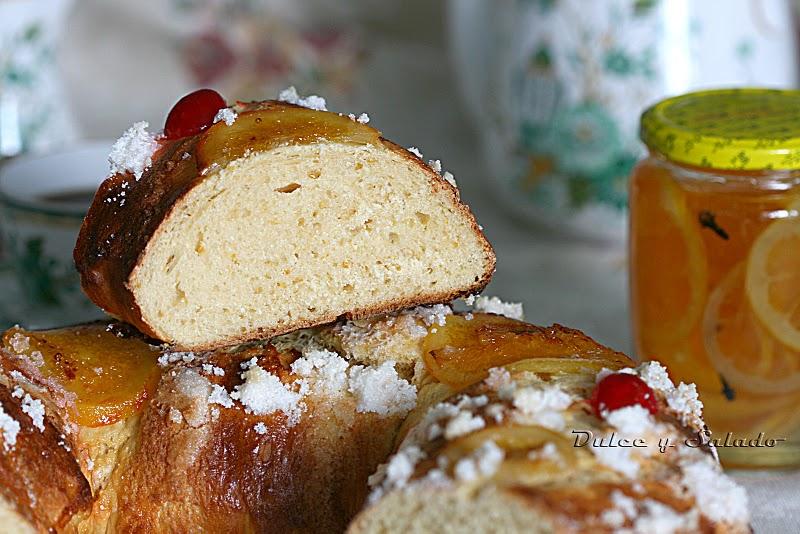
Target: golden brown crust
[(38, 476), (115, 234), (207, 469)]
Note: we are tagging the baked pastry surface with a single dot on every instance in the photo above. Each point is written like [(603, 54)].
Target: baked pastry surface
[(284, 219), (287, 435)]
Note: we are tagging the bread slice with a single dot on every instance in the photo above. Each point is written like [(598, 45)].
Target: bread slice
[(284, 219)]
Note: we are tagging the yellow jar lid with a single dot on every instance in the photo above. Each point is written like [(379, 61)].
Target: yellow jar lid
[(747, 129)]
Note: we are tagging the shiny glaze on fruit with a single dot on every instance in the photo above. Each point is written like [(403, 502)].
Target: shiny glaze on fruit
[(110, 372)]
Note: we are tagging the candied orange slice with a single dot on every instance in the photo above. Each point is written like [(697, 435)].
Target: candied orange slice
[(773, 280), (669, 274), (740, 347), (461, 352), (275, 126), (111, 376), (510, 439)]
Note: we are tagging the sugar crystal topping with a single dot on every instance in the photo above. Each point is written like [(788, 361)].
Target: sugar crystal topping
[(323, 369), (133, 152), (512, 310), (379, 389), (483, 462), (263, 393), (314, 102), (9, 428), (717, 495), (226, 115), (32, 407)]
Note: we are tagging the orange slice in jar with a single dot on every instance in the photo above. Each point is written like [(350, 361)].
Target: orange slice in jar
[(669, 273), (773, 280), (741, 349)]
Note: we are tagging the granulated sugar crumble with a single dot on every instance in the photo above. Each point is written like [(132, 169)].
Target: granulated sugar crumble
[(262, 393), (10, 428), (32, 407), (226, 115), (314, 102), (361, 119), (133, 152), (381, 390), (512, 310)]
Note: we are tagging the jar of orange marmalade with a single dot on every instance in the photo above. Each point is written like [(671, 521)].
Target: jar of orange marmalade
[(715, 262)]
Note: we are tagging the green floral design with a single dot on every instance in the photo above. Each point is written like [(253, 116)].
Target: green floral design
[(22, 59), (585, 147)]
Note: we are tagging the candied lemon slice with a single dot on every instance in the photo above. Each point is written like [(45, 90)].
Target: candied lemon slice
[(461, 352), (110, 376), (669, 275), (739, 346), (773, 280)]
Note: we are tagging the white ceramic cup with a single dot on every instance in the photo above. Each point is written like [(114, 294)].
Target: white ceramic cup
[(556, 88), (43, 200), (34, 115)]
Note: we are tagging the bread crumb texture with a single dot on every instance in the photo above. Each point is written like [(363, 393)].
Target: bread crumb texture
[(297, 235)]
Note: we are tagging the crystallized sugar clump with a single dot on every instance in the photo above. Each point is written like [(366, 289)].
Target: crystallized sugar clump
[(33, 407), (225, 114), (433, 315), (463, 423), (481, 463), (219, 395), (133, 152), (361, 119), (414, 150), (655, 375), (19, 343), (312, 101), (658, 517), (395, 473), (685, 402), (499, 380), (512, 310), (213, 370), (717, 495), (617, 458), (263, 393), (542, 405), (683, 399), (172, 357), (634, 420), (10, 428), (325, 370), (379, 389)]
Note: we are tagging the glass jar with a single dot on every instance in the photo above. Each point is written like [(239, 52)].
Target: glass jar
[(715, 262)]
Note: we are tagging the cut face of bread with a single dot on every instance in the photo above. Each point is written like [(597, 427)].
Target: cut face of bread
[(285, 219)]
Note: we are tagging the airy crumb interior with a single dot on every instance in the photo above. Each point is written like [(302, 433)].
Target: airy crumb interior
[(300, 233)]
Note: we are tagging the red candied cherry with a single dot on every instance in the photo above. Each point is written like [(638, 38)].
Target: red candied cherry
[(193, 113), (618, 390)]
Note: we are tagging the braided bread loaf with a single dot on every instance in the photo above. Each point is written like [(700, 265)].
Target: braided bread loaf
[(283, 435)]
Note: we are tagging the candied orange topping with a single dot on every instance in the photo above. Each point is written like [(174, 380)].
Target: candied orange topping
[(110, 375), (264, 129), (461, 352)]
